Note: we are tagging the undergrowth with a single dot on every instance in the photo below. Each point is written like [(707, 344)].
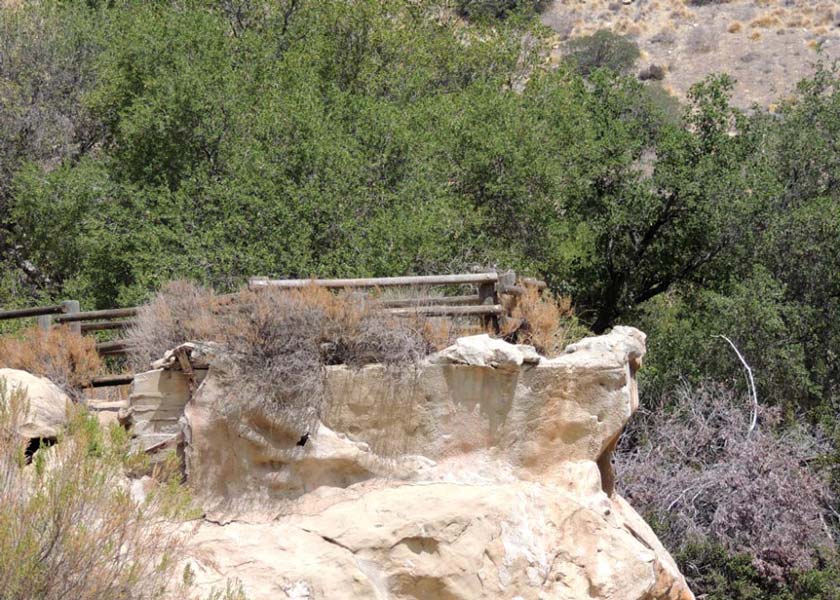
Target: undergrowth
[(543, 321), (66, 358), (69, 527)]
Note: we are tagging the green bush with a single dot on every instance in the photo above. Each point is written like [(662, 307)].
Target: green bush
[(482, 9), (69, 527), (602, 50), (720, 575)]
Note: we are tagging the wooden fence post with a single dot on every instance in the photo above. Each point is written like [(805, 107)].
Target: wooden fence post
[(70, 307), (487, 295)]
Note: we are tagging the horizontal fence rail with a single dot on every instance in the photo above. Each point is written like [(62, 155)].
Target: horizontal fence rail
[(110, 380), (103, 325), (92, 315), (420, 280), (38, 311), (486, 304), (448, 311)]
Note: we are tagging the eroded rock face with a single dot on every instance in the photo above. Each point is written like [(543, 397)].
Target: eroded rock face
[(532, 416), (482, 473), (48, 405), (448, 540)]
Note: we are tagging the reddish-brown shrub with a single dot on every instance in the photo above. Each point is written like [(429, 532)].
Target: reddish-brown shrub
[(691, 466), (66, 358), (545, 322)]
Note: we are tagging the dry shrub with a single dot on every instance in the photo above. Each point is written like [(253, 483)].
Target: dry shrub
[(274, 344), (276, 347), (702, 39), (691, 467), (69, 527), (765, 21), (734, 27), (545, 322), (180, 312), (62, 356)]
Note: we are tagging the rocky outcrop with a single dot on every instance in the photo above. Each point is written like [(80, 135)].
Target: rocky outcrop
[(447, 540), (48, 406), (482, 473)]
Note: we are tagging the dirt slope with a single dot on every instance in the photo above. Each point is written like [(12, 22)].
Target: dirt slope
[(766, 45)]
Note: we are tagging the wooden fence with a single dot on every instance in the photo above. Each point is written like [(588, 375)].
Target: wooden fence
[(485, 302)]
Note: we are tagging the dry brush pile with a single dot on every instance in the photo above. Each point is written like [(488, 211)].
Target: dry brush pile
[(66, 358), (692, 466), (275, 344)]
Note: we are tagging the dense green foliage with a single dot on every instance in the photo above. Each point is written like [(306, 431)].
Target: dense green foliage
[(218, 139)]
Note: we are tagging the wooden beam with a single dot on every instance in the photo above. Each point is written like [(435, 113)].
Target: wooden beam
[(92, 315), (22, 313), (71, 307), (428, 301), (420, 280), (114, 347), (101, 325), (111, 380), (441, 311)]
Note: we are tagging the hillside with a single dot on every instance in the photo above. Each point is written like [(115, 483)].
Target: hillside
[(766, 45)]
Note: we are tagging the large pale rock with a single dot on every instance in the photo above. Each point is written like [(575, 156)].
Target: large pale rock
[(453, 541), (534, 417), (48, 405), (484, 351), (482, 473)]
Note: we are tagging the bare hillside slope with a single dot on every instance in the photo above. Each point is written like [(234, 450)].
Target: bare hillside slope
[(766, 45)]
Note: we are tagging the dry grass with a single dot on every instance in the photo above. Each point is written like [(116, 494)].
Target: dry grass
[(275, 344), (734, 27), (69, 527), (65, 358), (545, 322)]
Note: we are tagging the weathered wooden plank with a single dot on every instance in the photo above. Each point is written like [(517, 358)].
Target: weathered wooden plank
[(114, 347), (453, 311), (22, 313), (92, 315), (419, 280), (102, 325), (71, 307), (428, 301)]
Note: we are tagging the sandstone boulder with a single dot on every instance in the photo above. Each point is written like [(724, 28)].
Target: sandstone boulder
[(48, 405), (444, 540), (484, 351), (483, 472)]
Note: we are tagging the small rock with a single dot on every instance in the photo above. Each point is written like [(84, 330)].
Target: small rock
[(654, 72)]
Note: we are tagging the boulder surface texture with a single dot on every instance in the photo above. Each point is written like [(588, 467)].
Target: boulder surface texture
[(482, 473), (47, 405)]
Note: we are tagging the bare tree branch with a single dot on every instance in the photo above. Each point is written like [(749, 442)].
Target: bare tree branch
[(751, 384)]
